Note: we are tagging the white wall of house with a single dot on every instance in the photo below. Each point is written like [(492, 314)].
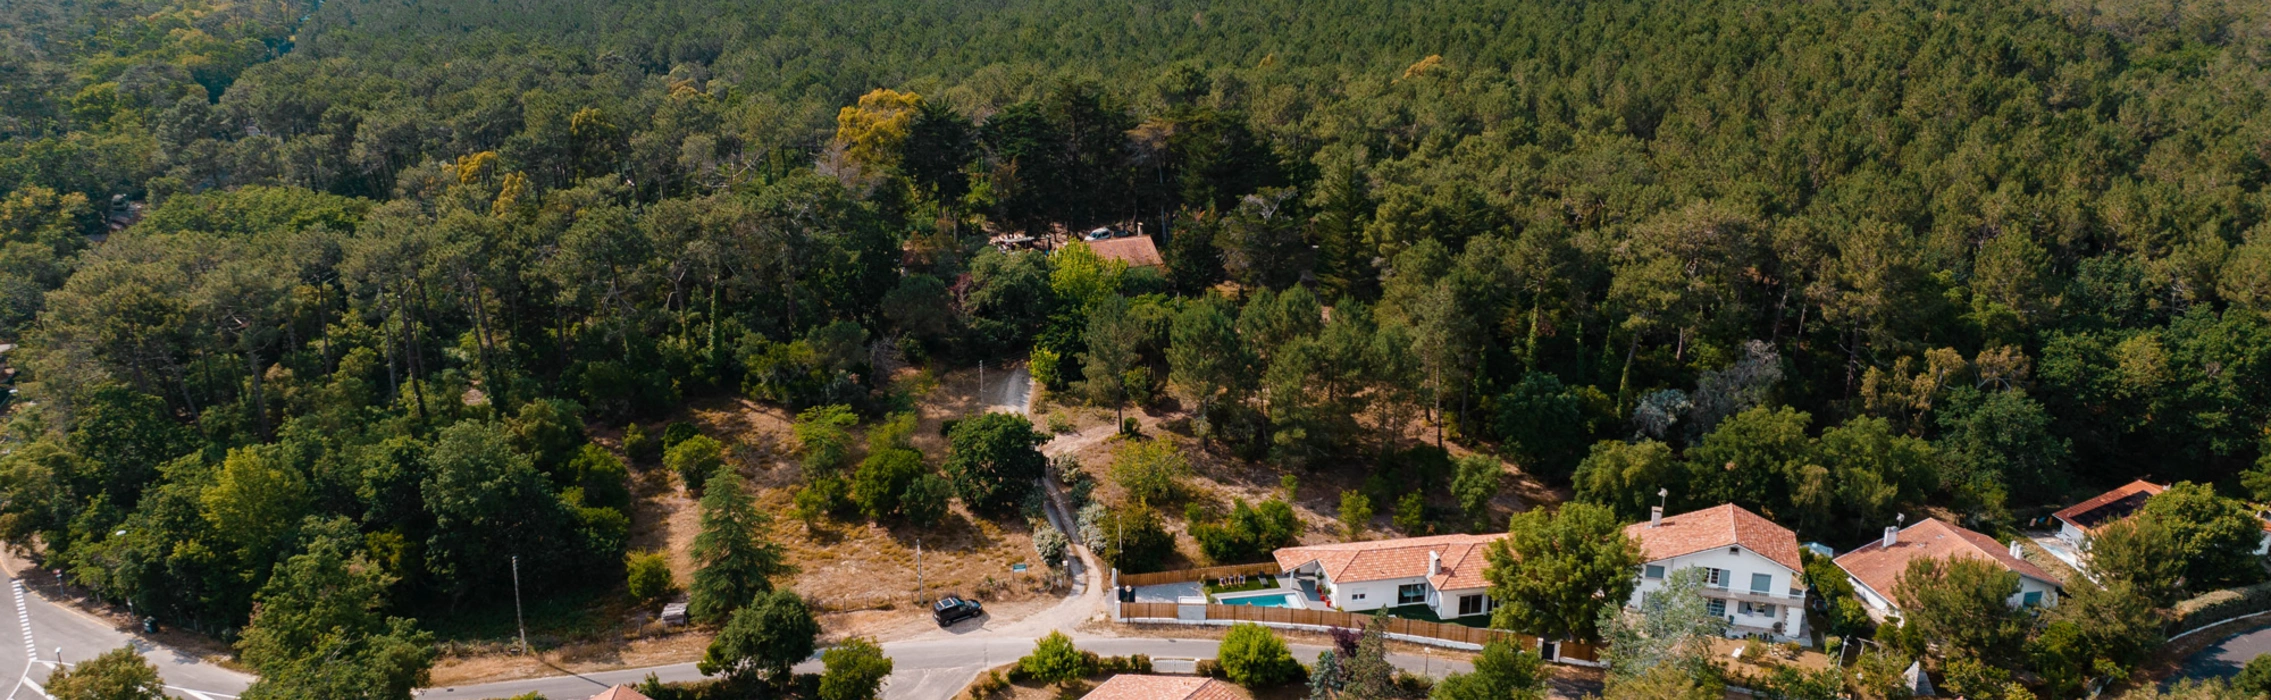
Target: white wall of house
[(2032, 591), (1373, 595), (1743, 571), (2067, 531), (1878, 606), (1446, 603)]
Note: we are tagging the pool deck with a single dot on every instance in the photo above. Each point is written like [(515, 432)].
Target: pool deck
[(1176, 592)]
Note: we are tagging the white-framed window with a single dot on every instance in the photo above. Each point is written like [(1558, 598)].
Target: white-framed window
[(1761, 583), (1716, 578), (1470, 605), (1358, 596), (1653, 571), (2031, 599), (1411, 593), (1717, 607), (1758, 609)]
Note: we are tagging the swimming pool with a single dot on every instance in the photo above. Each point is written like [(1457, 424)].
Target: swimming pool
[(1264, 599)]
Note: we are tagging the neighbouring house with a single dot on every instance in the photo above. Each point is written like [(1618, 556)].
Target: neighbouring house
[(1443, 572), (620, 692), (1137, 251), (1136, 686), (1753, 575), (1875, 568), (2077, 522)]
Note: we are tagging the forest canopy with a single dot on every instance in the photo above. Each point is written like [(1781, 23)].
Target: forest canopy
[(353, 278)]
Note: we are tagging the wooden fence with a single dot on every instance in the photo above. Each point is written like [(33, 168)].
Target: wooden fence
[(1211, 572), (1396, 625), (1567, 651)]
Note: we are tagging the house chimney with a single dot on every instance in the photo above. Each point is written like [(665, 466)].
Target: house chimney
[(2017, 552), (1655, 516), (1892, 536), (1434, 563)]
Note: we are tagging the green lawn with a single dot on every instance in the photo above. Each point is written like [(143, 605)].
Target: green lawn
[(1426, 614)]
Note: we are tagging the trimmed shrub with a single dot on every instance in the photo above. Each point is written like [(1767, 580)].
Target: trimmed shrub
[(1253, 656)]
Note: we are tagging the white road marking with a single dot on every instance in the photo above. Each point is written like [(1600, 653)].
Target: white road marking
[(31, 651)]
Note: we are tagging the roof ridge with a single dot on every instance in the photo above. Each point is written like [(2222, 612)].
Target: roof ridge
[(1734, 530)]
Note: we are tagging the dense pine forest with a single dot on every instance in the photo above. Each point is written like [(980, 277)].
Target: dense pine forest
[(336, 289)]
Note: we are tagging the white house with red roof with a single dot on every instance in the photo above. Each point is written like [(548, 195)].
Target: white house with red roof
[(1875, 568), (2077, 522), (1753, 576), (1444, 573)]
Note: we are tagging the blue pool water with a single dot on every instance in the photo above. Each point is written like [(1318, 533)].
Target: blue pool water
[(1279, 600)]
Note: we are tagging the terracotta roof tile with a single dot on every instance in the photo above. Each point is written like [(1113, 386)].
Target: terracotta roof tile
[(1711, 528), (620, 692), (1137, 251), (1131, 686), (1379, 560), (1879, 567), (2110, 506)]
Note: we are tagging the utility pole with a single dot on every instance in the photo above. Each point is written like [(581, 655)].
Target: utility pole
[(518, 620), (981, 386), (921, 595)]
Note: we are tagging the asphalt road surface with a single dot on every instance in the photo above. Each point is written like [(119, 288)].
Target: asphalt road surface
[(2224, 659), (28, 652), (921, 670)]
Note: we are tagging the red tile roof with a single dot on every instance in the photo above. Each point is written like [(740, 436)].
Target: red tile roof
[(1130, 686), (1137, 251), (1379, 560), (2109, 506), (1712, 528), (620, 692), (1880, 567)]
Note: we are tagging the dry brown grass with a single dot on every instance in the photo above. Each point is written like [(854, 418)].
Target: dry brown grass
[(861, 575), (465, 669)]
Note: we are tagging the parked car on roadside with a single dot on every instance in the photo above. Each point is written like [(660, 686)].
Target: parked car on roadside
[(953, 609)]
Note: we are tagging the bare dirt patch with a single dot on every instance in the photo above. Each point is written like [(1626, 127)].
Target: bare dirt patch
[(585, 657), (862, 576)]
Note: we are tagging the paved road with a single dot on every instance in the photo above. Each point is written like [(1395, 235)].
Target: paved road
[(922, 670), (1010, 391), (28, 653), (2224, 659)]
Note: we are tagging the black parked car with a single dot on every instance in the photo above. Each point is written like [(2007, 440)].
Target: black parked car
[(953, 609)]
